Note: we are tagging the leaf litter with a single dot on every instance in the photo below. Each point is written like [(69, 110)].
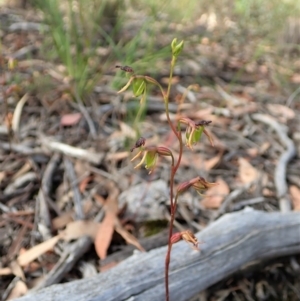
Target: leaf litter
[(38, 124)]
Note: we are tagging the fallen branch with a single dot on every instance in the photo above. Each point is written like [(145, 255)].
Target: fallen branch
[(229, 244), (284, 159), (72, 151)]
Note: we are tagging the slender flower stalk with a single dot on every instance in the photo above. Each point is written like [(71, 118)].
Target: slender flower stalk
[(149, 154)]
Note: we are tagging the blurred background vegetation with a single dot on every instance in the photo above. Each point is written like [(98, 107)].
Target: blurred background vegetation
[(87, 37)]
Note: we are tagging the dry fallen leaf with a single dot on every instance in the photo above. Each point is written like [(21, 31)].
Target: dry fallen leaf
[(165, 80), (99, 199), (128, 236), (24, 169), (243, 110), (282, 111), (5, 271), (77, 229), (247, 173), (117, 156), (18, 112), (104, 234), (199, 162), (2, 176), (38, 250), (84, 183), (215, 195), (268, 192), (127, 131), (252, 152), (106, 229), (8, 121), (264, 147), (295, 78), (70, 119), (20, 289), (212, 162), (295, 194), (17, 270), (81, 168), (61, 221)]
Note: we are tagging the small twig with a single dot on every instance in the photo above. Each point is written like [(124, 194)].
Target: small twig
[(71, 175), (286, 156), (6, 209), (176, 224), (292, 97), (190, 95), (19, 182), (48, 173), (71, 255), (17, 114), (231, 197), (72, 151), (9, 288), (22, 149), (27, 26), (43, 199), (241, 204), (149, 243), (230, 99), (103, 173), (18, 239), (19, 221), (24, 52), (87, 116), (4, 130)]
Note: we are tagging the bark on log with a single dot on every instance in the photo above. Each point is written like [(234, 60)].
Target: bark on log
[(230, 243)]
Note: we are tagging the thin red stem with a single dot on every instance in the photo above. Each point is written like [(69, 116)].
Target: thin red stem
[(173, 203)]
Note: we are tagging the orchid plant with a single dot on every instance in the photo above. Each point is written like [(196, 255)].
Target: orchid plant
[(149, 154)]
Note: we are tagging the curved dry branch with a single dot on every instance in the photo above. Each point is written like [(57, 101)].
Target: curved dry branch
[(285, 158), (231, 243)]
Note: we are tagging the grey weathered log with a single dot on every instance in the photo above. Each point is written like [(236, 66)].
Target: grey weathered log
[(230, 244)]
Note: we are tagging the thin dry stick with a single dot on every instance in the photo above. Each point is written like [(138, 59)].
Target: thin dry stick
[(71, 151), (284, 159), (72, 253), (71, 175), (42, 216), (87, 116)]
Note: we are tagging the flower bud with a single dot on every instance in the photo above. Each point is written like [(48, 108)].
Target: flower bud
[(198, 183), (12, 63), (184, 186), (164, 151), (176, 47), (151, 80), (176, 237)]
